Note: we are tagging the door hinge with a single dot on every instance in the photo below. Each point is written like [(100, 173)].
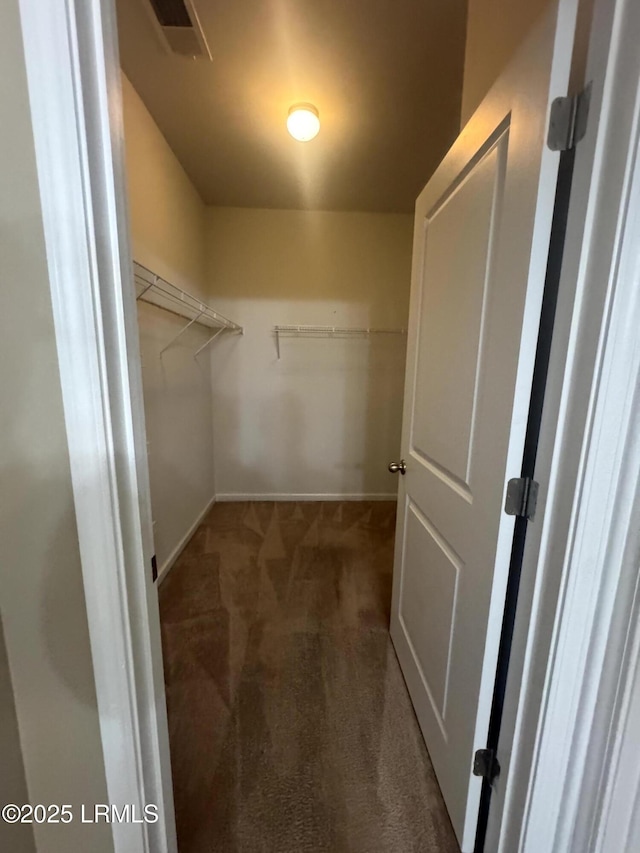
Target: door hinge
[(154, 568), (485, 764), (522, 497), (568, 120)]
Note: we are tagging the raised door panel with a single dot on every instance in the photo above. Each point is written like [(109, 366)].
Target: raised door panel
[(458, 238)]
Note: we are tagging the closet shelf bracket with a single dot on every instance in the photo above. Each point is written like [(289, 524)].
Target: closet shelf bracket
[(209, 341), (181, 332)]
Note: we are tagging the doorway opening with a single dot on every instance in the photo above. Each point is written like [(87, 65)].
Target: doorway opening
[(272, 280), (273, 286)]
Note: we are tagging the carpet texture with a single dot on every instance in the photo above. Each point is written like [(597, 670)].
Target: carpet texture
[(290, 724)]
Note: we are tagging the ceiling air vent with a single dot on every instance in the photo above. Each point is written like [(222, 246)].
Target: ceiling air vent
[(179, 28)]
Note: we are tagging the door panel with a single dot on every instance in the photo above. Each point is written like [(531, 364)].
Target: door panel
[(427, 606), (481, 237), (451, 313)]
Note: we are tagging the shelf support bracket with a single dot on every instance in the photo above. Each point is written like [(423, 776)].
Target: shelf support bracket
[(148, 287), (182, 331), (210, 341)]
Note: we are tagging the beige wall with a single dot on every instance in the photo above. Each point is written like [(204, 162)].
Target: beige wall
[(167, 214), (42, 604), (178, 413), (167, 228), (495, 29), (325, 418)]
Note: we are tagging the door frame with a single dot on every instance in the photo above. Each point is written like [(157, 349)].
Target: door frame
[(573, 647), (560, 651), (73, 77)]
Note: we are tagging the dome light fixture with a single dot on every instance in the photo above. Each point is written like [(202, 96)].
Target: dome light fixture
[(303, 122)]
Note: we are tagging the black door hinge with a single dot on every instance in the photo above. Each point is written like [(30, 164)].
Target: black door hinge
[(485, 764), (568, 120), (154, 568), (522, 497)]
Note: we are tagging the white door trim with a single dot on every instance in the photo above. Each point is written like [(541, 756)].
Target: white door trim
[(600, 566), (74, 91), (72, 67), (572, 647)]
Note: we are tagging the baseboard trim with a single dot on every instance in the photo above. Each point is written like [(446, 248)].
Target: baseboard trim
[(173, 556), (228, 497)]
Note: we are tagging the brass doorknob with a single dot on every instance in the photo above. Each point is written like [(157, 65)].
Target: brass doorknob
[(398, 467)]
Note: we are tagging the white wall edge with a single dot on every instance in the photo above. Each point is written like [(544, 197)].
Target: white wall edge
[(228, 497), (182, 544)]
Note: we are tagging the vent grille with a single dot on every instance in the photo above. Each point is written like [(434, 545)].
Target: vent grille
[(177, 25), (171, 13)]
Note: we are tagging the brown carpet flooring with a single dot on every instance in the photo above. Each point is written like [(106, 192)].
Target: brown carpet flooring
[(291, 728)]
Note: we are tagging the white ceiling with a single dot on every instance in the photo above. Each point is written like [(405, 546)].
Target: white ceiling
[(386, 76)]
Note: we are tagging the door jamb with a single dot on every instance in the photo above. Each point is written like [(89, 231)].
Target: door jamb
[(73, 76), (571, 650)]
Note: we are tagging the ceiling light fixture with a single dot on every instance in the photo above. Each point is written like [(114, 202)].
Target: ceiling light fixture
[(303, 122)]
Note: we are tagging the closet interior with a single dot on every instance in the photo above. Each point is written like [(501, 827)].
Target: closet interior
[(272, 330)]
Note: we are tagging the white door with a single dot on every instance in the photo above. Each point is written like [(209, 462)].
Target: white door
[(482, 229)]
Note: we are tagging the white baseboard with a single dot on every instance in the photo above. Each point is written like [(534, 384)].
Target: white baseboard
[(173, 556), (226, 497)]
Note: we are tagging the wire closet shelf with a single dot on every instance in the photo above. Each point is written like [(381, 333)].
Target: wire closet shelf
[(329, 332), (158, 291)]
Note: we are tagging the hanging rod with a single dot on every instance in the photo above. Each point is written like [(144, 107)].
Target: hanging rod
[(330, 331), (153, 289)]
